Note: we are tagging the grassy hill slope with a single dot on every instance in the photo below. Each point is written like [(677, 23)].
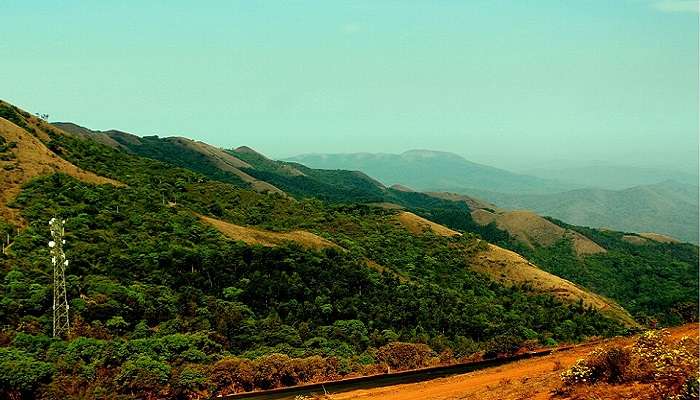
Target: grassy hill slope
[(669, 208), (165, 305), (566, 252)]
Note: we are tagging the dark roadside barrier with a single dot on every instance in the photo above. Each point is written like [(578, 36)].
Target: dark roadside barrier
[(373, 381)]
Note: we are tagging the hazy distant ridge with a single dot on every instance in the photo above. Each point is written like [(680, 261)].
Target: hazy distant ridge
[(667, 207), (432, 170)]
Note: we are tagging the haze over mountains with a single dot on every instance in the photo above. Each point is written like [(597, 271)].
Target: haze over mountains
[(624, 198), (189, 258)]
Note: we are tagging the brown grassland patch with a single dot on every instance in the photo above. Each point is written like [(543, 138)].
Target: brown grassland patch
[(418, 225), (31, 158), (263, 237), (659, 237), (510, 268), (532, 230)]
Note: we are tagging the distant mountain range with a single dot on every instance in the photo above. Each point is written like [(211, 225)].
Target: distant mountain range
[(669, 207), (229, 255), (427, 170), (613, 177)]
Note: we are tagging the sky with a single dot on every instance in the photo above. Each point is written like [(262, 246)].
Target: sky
[(504, 82)]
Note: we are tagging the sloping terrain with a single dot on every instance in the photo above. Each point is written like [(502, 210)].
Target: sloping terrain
[(472, 202), (532, 236), (268, 238), (179, 151), (532, 230), (612, 177), (418, 225), (668, 208), (26, 158), (302, 181), (657, 237), (427, 170), (634, 239), (156, 289), (511, 268)]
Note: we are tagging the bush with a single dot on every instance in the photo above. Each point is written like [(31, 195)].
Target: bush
[(671, 367), (20, 373), (232, 375), (143, 375), (190, 380), (400, 355)]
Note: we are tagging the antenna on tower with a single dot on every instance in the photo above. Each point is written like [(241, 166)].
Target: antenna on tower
[(58, 259)]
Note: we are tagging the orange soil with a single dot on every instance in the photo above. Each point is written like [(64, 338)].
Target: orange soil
[(536, 379)]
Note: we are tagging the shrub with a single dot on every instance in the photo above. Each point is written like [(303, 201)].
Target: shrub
[(232, 375), (144, 375), (20, 373), (273, 371), (191, 380), (400, 355), (671, 367)]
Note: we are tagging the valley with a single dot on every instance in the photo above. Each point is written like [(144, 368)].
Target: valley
[(349, 200), (642, 200), (199, 271)]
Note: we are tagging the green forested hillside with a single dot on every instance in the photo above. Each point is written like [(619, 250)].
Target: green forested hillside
[(656, 282), (163, 305)]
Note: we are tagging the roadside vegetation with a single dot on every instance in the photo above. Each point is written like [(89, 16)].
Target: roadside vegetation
[(667, 369), (165, 306)]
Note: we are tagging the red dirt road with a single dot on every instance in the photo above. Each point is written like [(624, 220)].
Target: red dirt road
[(527, 379)]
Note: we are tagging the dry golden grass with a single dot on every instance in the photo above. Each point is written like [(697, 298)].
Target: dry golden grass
[(633, 239), (510, 268), (386, 206), (418, 225), (532, 230), (262, 237), (226, 162), (33, 159), (472, 202), (402, 188), (657, 237)]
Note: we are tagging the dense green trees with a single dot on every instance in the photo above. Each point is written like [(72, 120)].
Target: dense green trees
[(157, 297), (164, 305), (656, 282)]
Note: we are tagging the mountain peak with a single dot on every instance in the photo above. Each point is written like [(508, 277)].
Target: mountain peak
[(424, 153)]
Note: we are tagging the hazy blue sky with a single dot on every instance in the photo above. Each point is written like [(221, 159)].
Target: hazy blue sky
[(498, 81)]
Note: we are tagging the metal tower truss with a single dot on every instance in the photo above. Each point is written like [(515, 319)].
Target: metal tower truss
[(61, 326)]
